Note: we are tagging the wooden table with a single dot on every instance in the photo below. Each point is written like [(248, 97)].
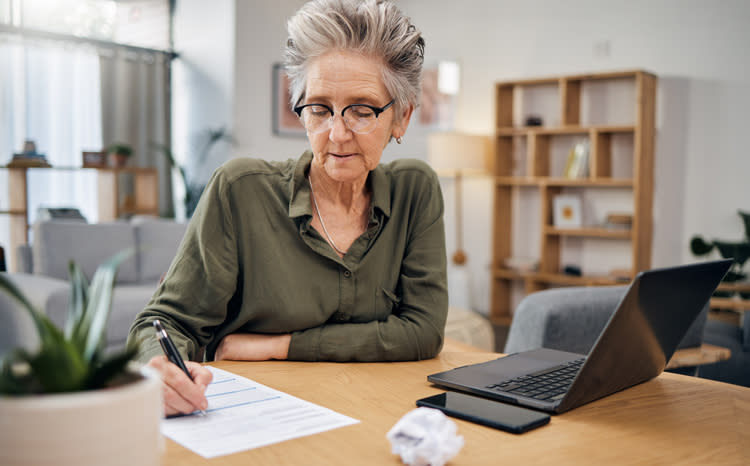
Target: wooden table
[(673, 419)]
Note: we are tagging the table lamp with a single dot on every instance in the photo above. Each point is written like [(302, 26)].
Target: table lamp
[(458, 154)]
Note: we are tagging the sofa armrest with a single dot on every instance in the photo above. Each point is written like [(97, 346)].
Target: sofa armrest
[(24, 262), (17, 329)]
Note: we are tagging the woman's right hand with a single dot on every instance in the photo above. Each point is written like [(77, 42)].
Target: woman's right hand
[(181, 395)]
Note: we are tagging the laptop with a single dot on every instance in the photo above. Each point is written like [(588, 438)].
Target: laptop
[(640, 337)]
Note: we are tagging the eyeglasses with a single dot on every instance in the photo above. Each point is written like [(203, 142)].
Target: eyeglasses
[(359, 118)]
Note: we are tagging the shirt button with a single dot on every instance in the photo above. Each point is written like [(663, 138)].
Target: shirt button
[(347, 273)]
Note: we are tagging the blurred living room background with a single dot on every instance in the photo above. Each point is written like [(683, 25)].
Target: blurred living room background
[(198, 80)]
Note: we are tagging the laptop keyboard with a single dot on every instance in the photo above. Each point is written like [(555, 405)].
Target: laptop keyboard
[(547, 385)]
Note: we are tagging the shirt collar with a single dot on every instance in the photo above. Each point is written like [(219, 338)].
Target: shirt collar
[(299, 189)]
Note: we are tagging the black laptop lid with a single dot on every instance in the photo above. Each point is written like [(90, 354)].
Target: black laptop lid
[(644, 332)]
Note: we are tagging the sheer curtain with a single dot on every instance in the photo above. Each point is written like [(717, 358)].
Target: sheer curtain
[(50, 93), (134, 98)]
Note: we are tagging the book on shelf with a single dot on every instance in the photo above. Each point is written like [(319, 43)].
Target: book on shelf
[(28, 160), (577, 165)]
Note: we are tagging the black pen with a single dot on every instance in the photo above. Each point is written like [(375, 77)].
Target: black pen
[(170, 350)]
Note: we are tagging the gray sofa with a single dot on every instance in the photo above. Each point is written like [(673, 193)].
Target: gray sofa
[(571, 319), (44, 278)]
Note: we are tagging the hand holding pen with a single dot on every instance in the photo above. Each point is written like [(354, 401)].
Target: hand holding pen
[(184, 383)]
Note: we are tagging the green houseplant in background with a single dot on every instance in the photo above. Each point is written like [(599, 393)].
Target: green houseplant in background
[(69, 390), (193, 188), (118, 154), (737, 250)]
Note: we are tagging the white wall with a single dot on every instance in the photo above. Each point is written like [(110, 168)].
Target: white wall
[(202, 84), (696, 48)]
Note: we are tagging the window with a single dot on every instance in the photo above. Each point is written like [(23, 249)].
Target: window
[(76, 75), (141, 23)]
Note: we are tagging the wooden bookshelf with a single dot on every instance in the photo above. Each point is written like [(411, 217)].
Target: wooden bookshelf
[(534, 170)]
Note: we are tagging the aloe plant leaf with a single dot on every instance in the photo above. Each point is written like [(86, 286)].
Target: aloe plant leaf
[(100, 303), (60, 367), (111, 367), (38, 317), (78, 299)]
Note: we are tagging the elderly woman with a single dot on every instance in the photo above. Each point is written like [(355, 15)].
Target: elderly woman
[(330, 257)]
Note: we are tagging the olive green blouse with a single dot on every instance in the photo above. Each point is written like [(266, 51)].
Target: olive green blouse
[(251, 262)]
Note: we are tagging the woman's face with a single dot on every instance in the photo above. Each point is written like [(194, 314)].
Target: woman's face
[(338, 79)]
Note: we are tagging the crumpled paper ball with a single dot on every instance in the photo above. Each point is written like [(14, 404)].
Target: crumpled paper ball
[(425, 436)]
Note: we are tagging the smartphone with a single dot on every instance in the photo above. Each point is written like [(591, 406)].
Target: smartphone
[(487, 412)]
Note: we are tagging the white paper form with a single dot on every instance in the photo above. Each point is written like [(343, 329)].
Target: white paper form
[(243, 414)]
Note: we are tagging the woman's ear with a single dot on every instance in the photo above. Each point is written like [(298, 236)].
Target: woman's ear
[(400, 125)]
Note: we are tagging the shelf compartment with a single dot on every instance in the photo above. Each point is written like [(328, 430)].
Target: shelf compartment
[(559, 279), (562, 130), (589, 232), (564, 182)]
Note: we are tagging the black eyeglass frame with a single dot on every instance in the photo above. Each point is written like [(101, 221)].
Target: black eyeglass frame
[(376, 110)]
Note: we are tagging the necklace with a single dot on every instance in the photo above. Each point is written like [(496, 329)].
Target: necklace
[(320, 217)]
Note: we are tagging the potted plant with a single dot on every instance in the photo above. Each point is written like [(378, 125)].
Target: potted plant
[(737, 250), (193, 189), (69, 403), (118, 154)]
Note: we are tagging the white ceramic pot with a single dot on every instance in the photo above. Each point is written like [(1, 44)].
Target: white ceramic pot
[(112, 426)]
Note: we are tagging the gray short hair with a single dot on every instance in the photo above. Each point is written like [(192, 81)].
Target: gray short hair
[(375, 28)]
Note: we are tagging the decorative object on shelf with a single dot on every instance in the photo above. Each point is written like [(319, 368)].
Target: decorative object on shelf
[(618, 221), (577, 165), (194, 189), (522, 264), (118, 154), (534, 120), (457, 155), (573, 270), (94, 159), (621, 274), (737, 250), (567, 211), (70, 390), (29, 157)]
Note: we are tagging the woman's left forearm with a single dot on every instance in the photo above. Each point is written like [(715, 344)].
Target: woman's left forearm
[(253, 347)]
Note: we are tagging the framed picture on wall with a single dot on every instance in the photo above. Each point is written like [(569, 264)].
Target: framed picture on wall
[(285, 121), (437, 102)]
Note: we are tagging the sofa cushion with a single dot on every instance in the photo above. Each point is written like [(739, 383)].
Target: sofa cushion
[(157, 242), (89, 245), (127, 302)]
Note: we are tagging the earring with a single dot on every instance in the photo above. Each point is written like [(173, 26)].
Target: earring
[(398, 140)]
